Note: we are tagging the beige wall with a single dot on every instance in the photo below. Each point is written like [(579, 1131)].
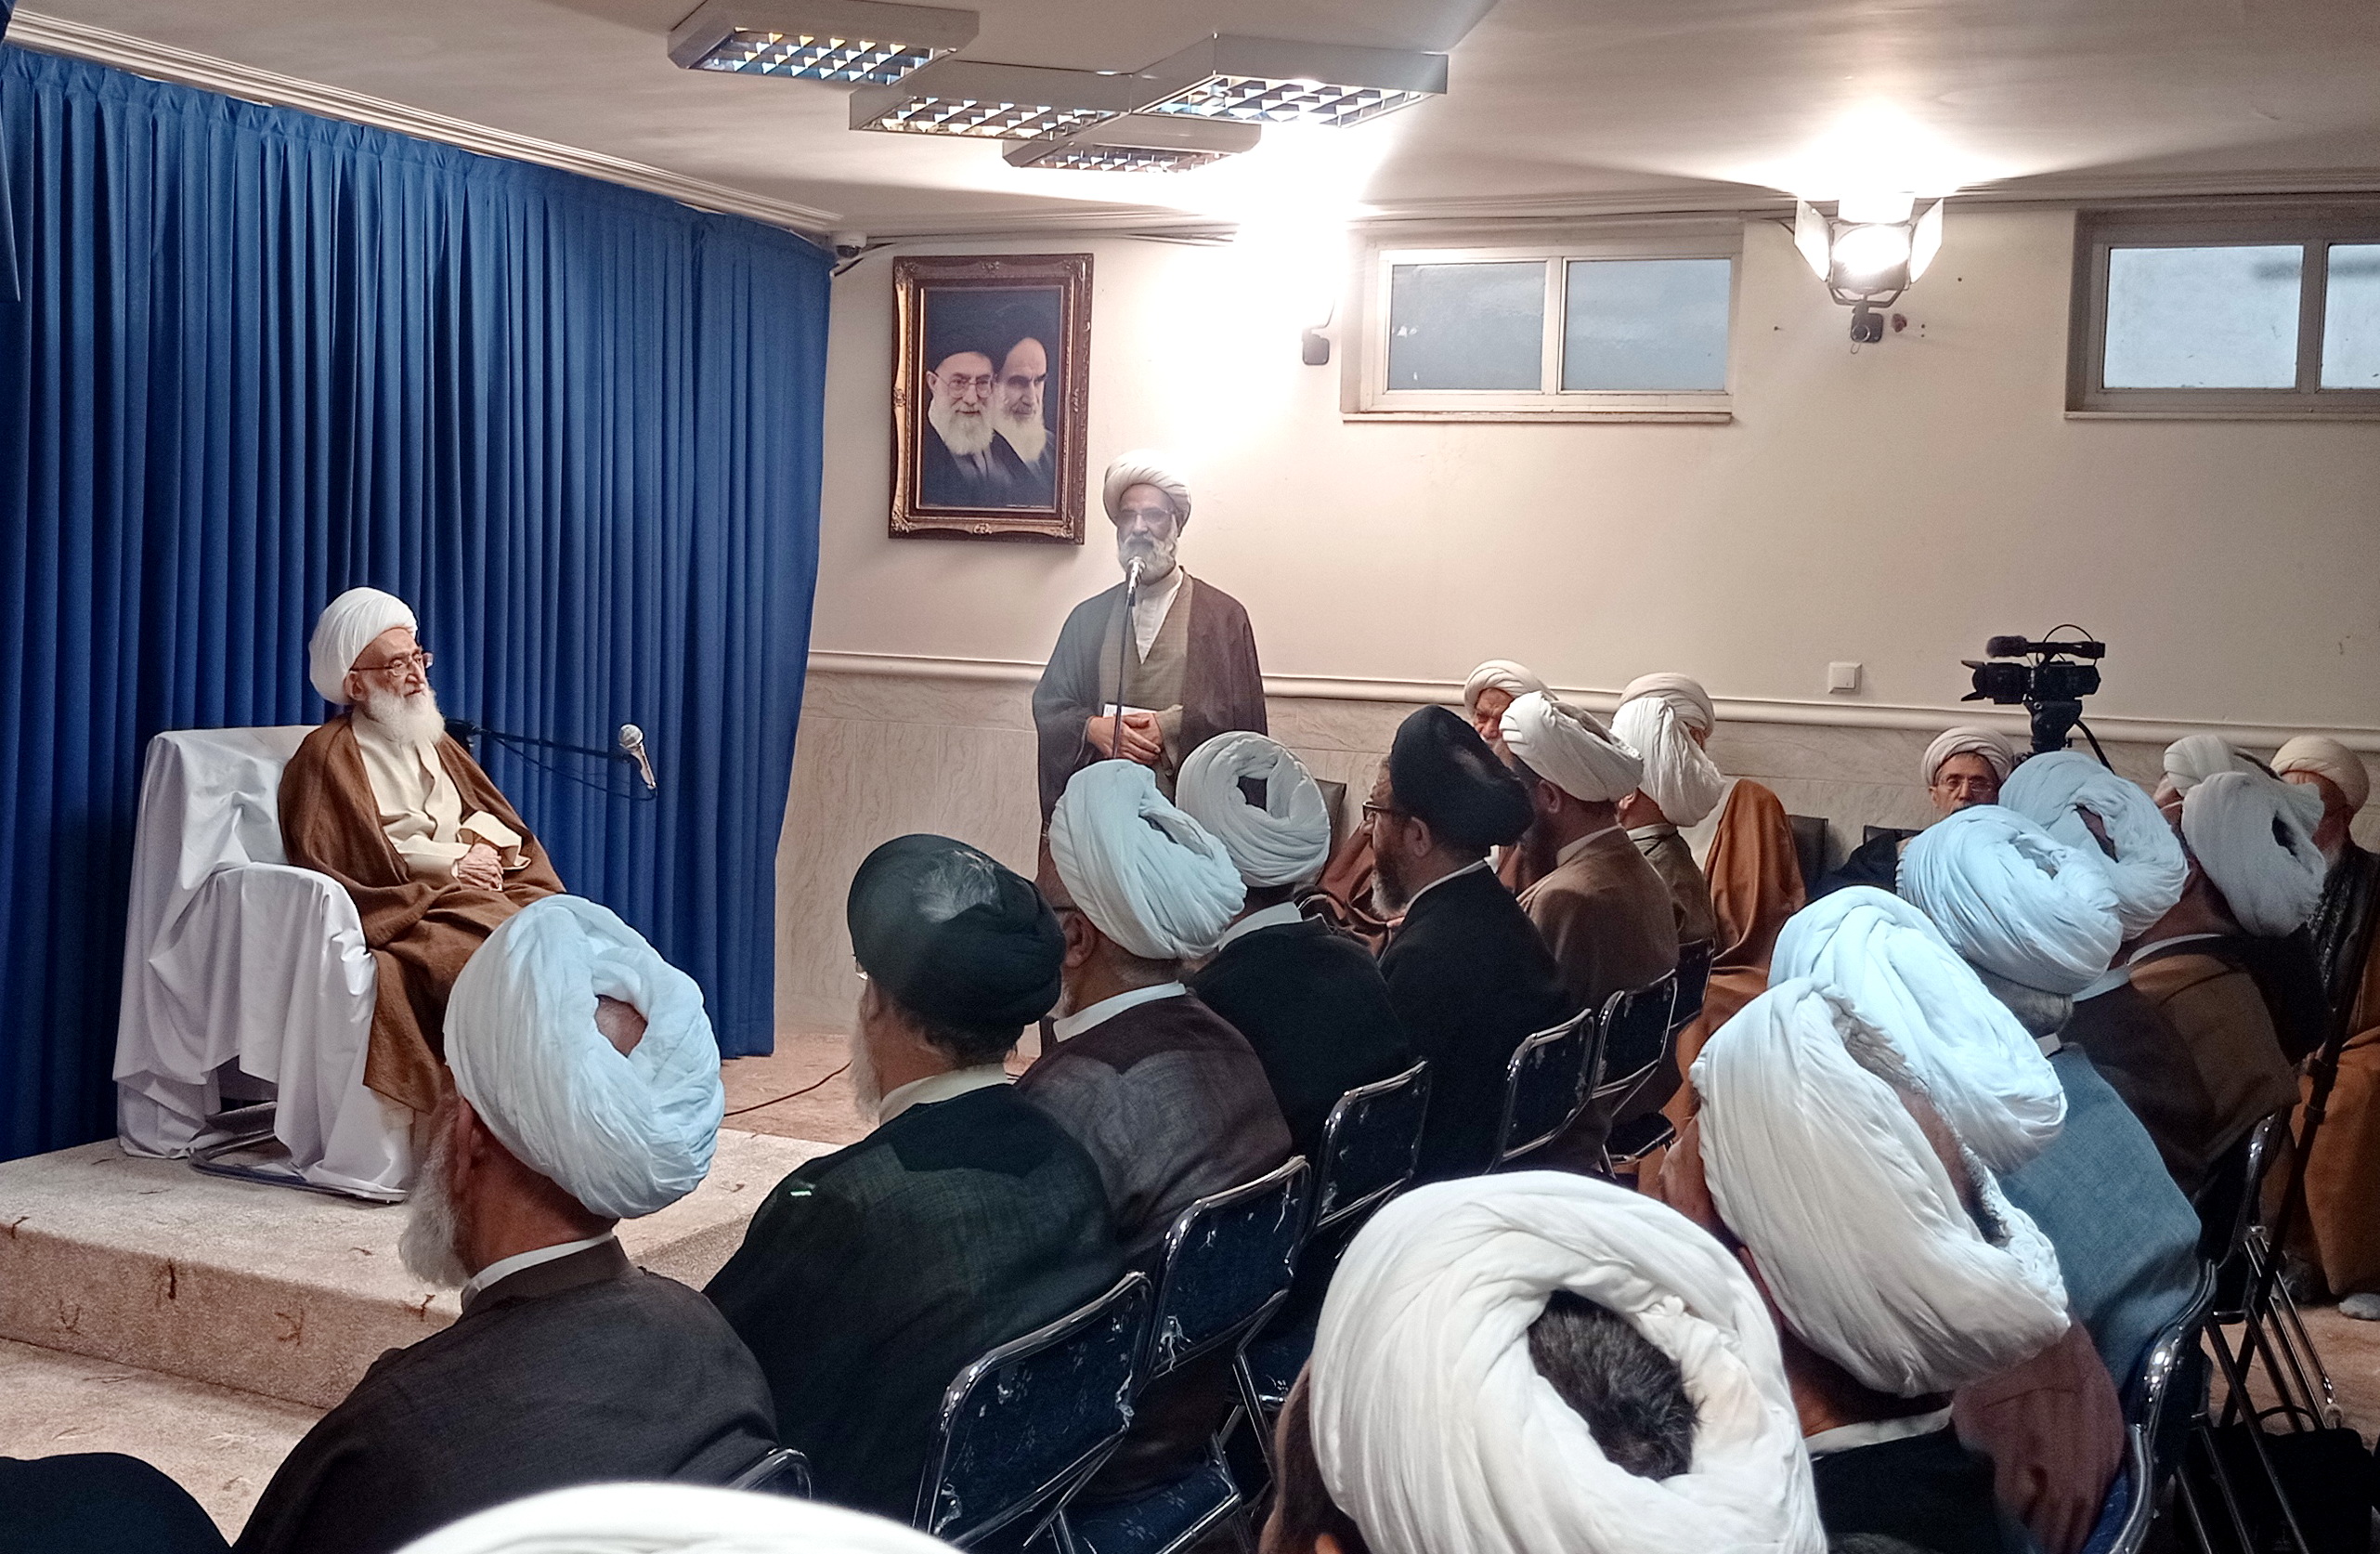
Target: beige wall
[(1892, 507)]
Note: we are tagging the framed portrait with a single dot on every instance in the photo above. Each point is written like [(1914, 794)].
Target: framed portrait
[(991, 392)]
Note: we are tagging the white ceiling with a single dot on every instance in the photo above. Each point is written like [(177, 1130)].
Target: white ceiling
[(1556, 105)]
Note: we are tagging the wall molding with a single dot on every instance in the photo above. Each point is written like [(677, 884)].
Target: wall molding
[(160, 61), (1317, 688)]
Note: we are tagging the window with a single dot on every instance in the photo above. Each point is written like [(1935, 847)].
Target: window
[(2241, 311), (1611, 330)]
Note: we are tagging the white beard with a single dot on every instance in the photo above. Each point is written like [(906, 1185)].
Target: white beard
[(431, 1248), (963, 434), (1028, 434), (412, 720), (1156, 560)]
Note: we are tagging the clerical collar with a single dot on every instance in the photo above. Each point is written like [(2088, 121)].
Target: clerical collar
[(504, 1268), (2107, 981), (1573, 849), (1466, 868), (946, 1086), (1653, 832), (1066, 1028), (1279, 915), (1875, 1432), (2145, 950)]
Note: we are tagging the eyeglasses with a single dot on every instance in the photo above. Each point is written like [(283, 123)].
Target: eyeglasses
[(417, 662), (1372, 811)]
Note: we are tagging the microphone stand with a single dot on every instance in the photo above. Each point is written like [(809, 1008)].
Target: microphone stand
[(464, 731), (1123, 638)]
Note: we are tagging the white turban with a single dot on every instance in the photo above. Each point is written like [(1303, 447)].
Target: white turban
[(1969, 738), (2326, 757), (1815, 1163), (1885, 962), (624, 1133), (1658, 716), (2014, 899), (1146, 875), (1513, 680), (1434, 1431), (671, 1519), (1284, 842), (1570, 748), (2148, 870), (346, 627), (2253, 835), (2193, 758), (1144, 466)]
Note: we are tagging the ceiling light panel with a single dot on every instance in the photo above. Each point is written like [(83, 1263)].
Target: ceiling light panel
[(996, 102), (1275, 81), (853, 41), (1139, 143)]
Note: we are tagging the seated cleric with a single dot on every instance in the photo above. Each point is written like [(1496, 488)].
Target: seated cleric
[(382, 801)]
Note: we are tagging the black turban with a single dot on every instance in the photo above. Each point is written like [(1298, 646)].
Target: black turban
[(1445, 773), (990, 965), (954, 327)]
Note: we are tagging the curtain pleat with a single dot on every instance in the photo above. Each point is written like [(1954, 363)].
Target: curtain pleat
[(261, 358)]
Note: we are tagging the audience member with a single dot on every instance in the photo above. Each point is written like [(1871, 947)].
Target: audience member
[(870, 1277), (2052, 1426), (99, 1502), (2343, 1233), (2037, 920), (667, 1519), (2193, 758), (1541, 1363), (1897, 1271), (1309, 999), (1666, 719), (586, 1091), (1963, 768), (1466, 971)]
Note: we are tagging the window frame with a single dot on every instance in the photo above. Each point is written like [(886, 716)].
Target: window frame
[(2315, 228), (1369, 398)]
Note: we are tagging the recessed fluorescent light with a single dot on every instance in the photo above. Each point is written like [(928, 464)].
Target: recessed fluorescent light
[(861, 41), (1139, 143), (998, 103), (1275, 81)]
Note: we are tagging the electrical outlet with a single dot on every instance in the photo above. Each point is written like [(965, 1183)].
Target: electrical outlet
[(1843, 678)]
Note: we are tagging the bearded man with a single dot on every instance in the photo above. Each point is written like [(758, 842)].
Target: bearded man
[(1020, 420), (1185, 671), (960, 461), (1962, 768), (382, 801)]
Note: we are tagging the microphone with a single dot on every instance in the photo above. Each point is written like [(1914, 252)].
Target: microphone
[(632, 744), (1132, 580)]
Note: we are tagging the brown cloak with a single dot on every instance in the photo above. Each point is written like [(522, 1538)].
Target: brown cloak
[(419, 934), (1755, 884)]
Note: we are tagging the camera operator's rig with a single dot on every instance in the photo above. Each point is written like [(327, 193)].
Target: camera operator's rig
[(2052, 687)]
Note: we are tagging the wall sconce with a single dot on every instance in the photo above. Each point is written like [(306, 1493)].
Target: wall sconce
[(1870, 251)]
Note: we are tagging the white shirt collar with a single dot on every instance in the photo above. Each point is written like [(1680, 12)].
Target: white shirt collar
[(1281, 914), (1875, 1432), (1573, 849), (1647, 833), (948, 1085), (2134, 958), (1150, 610), (2107, 981), (1066, 1028), (504, 1268), (1466, 868)]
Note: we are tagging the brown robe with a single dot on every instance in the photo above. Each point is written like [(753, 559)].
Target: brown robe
[(2341, 1229), (2224, 1032), (1607, 916), (1755, 877), (419, 934), (1689, 892)]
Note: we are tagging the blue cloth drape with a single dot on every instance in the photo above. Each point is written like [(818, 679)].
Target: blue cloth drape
[(7, 222), (263, 356)]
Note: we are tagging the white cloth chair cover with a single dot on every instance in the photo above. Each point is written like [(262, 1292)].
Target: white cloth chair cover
[(231, 956)]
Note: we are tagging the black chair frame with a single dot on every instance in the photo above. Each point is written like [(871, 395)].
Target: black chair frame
[(1588, 1027), (1324, 1212), (782, 1471)]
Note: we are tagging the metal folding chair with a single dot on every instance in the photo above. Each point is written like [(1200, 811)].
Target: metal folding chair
[(1022, 1428), (2155, 1436), (1694, 981), (1640, 1044), (783, 1471), (1547, 1080), (1230, 1258)]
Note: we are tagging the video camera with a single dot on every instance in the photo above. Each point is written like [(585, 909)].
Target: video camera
[(2051, 687)]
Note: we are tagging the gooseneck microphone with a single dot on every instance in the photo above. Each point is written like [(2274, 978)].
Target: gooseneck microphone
[(630, 748), (632, 744)]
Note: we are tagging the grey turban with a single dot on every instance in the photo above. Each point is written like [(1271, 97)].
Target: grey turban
[(2253, 835), (2013, 899), (2148, 870), (1284, 841), (1969, 738), (347, 626), (625, 1133), (1570, 748), (1146, 875), (1144, 466)]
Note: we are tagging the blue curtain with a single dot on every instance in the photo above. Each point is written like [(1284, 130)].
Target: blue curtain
[(263, 356)]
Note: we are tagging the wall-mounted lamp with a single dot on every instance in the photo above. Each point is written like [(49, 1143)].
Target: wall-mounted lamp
[(1871, 250)]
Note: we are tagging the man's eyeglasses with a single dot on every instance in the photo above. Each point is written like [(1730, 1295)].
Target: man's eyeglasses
[(1372, 811), (418, 661)]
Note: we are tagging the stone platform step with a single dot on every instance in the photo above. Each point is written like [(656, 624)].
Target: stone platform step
[(288, 1294)]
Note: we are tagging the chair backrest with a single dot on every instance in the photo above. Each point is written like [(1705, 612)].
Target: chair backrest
[(1034, 1415), (782, 1471), (1636, 1036), (1370, 1145), (2155, 1442), (1547, 1080), (1228, 1262), (1693, 981)]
